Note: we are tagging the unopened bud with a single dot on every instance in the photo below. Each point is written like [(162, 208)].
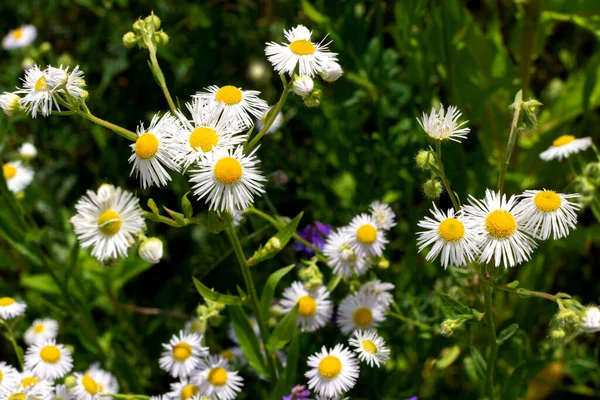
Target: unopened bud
[(383, 264), (558, 334), (313, 284), (130, 39), (9, 102), (70, 382), (138, 26), (84, 95), (314, 99), (273, 244), (27, 63), (449, 326), (432, 188), (151, 250), (45, 47), (592, 170), (276, 310), (65, 59), (303, 85), (331, 72), (153, 20), (591, 320), (586, 190), (161, 38), (425, 159), (566, 317), (28, 151)]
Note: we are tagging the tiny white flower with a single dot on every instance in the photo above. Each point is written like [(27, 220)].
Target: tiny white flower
[(10, 103), (332, 371), (215, 378), (341, 256), (235, 104), (17, 176), (34, 386), (303, 85), (546, 212), (92, 384), (370, 348), (10, 308), (383, 214), (367, 238), (40, 331), (182, 354), (443, 124), (49, 360), (20, 37), (331, 71), (564, 146), (39, 90), (359, 311), (591, 320), (151, 250), (381, 291), (314, 307), (183, 390), (27, 151)]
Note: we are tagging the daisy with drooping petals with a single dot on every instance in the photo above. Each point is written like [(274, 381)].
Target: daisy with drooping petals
[(40, 331), (381, 291), (341, 256), (383, 214), (183, 390), (228, 179), (367, 239), (10, 308), (216, 379), (564, 146), (332, 371), (314, 307), (154, 150), (17, 176), (182, 354), (544, 212), (311, 57), (501, 234), (108, 223), (49, 360), (9, 377), (370, 347), (20, 37), (39, 89), (443, 124), (359, 311), (452, 235), (237, 105)]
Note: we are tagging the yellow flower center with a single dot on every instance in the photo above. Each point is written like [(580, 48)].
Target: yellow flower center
[(189, 391), (228, 170), (205, 138), (500, 224), (17, 396), (182, 351), (227, 354), (17, 33), (302, 47), (0, 376), (362, 317), (6, 301), (307, 306), (146, 146), (50, 354), (40, 84), (217, 376), (29, 381), (547, 201), (9, 171), (562, 140), (369, 346), (366, 234), (90, 385), (39, 328), (109, 222), (451, 230), (330, 367), (229, 95)]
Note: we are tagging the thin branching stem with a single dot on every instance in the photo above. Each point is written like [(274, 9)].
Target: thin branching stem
[(442, 174)]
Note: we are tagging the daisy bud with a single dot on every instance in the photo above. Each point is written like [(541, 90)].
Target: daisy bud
[(586, 190), (566, 317), (383, 264), (314, 99), (151, 250), (161, 38), (45, 47), (432, 188), (530, 110), (449, 326), (130, 39), (276, 310), (106, 191), (273, 244), (331, 72), (28, 151), (425, 159), (138, 26), (313, 284), (258, 71), (27, 63), (153, 20), (84, 95), (591, 320), (70, 381), (9, 102), (303, 85), (558, 334)]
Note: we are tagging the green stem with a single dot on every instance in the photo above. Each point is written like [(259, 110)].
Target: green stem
[(414, 322), (161, 79), (438, 148), (527, 293), (512, 139), (487, 286), (18, 350)]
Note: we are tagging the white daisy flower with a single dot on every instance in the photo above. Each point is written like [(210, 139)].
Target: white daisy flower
[(27, 151), (314, 307), (154, 150), (182, 354), (107, 382), (366, 237), (564, 146), (452, 235), (235, 103), (10, 103), (74, 81), (39, 89), (359, 311), (61, 392), (341, 256), (20, 37), (109, 224), (17, 176), (9, 377), (591, 320), (16, 391), (443, 124), (544, 212), (205, 132), (501, 234), (216, 379), (277, 122), (370, 347), (49, 360), (312, 57), (10, 308), (87, 387), (381, 291), (383, 214), (228, 179), (32, 385), (332, 371), (183, 390), (40, 331)]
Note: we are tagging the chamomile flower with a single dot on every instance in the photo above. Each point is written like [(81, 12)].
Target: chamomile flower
[(228, 179), (35, 386), (107, 382), (107, 223), (183, 390), (443, 124), (359, 311), (10, 308), (17, 391), (311, 57), (370, 347), (49, 360), (383, 214), (314, 307), (367, 239), (61, 392), (501, 234), (381, 291), (17, 176), (341, 256), (87, 386), (9, 377), (452, 235), (40, 331), (564, 146), (182, 354), (27, 151), (235, 104), (39, 90), (275, 125), (332, 371), (215, 378), (154, 150), (20, 37), (546, 212)]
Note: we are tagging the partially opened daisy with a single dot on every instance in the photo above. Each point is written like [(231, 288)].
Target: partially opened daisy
[(301, 52), (10, 308), (17, 176), (370, 347), (332, 372), (452, 235), (501, 234), (107, 223), (383, 214), (366, 237), (236, 104), (20, 37), (228, 179), (564, 146), (381, 291), (341, 255), (154, 150), (40, 331), (49, 360), (10, 103), (545, 212), (182, 354), (443, 124), (39, 90), (9, 377), (215, 378), (314, 307), (183, 390), (359, 311)]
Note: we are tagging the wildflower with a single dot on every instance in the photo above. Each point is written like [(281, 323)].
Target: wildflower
[(49, 360), (183, 390), (370, 347), (93, 384), (332, 371), (564, 146), (182, 354), (367, 238), (27, 151), (303, 85), (275, 125), (331, 71), (299, 392), (235, 103), (381, 291), (40, 390), (443, 124), (17, 176), (591, 320), (314, 234), (10, 308), (359, 311), (9, 377), (216, 379), (545, 212), (448, 327), (432, 188), (314, 306), (383, 214), (75, 81), (425, 159), (341, 256), (151, 250), (39, 90), (10, 103), (34, 386), (40, 331), (20, 37)]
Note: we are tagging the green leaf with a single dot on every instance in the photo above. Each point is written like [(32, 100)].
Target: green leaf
[(505, 334), (269, 290), (209, 294), (512, 386), (186, 206), (480, 364), (292, 360), (248, 340), (312, 13), (282, 237), (453, 306), (153, 207), (448, 356), (178, 217), (214, 223), (513, 284), (284, 331), (42, 283)]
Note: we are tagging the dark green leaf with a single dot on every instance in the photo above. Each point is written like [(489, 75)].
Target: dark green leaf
[(186, 206), (248, 340), (284, 331), (513, 284), (312, 13), (214, 296), (214, 223), (505, 334), (269, 289), (453, 306), (480, 364)]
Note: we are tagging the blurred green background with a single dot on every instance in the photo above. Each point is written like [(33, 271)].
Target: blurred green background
[(400, 58)]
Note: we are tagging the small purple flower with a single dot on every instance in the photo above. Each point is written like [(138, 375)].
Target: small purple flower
[(413, 398), (315, 234), (299, 392)]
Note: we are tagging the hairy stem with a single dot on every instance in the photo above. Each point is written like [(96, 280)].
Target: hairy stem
[(527, 293), (512, 139), (161, 79), (442, 174)]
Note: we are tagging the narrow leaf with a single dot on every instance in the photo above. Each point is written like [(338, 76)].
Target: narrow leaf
[(505, 334), (480, 364), (453, 306), (281, 238), (284, 331), (269, 289), (217, 297), (513, 284), (186, 206), (153, 207), (248, 340), (312, 13)]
